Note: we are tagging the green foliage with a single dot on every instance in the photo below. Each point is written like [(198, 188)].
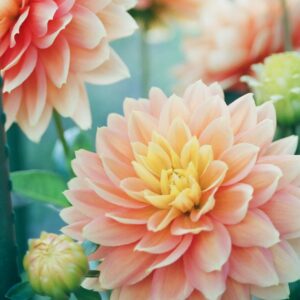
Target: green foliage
[(42, 186), (20, 291), (82, 293)]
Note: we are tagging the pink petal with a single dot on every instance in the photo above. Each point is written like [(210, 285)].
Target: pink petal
[(240, 160), (264, 179), (252, 266), (107, 232), (284, 211), (11, 105), (219, 135), (162, 219), (286, 261), (256, 229), (157, 99), (158, 242), (232, 203), (276, 292), (210, 250), (243, 114), (236, 291), (124, 266), (171, 283), (196, 295), (184, 225), (287, 145), (267, 111)]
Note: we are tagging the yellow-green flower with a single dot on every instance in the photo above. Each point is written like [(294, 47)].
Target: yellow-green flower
[(55, 265), (278, 80)]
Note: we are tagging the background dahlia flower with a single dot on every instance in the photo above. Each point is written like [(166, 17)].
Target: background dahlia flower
[(190, 199), (232, 36), (49, 48)]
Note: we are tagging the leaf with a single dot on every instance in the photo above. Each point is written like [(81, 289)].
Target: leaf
[(39, 185), (20, 291), (82, 293), (89, 247)]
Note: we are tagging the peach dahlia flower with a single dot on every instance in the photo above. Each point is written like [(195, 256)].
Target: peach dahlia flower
[(49, 48), (190, 199), (233, 35)]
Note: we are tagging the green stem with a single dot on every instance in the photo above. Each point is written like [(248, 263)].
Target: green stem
[(287, 27), (60, 133), (145, 60), (8, 244)]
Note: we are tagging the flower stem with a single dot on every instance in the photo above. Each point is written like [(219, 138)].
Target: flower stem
[(60, 133), (8, 244), (287, 27), (145, 60)]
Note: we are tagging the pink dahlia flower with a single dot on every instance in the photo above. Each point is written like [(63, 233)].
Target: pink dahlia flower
[(190, 199), (49, 48), (234, 35)]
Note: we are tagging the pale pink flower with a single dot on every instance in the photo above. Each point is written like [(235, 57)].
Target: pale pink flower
[(190, 199), (233, 35), (49, 48)]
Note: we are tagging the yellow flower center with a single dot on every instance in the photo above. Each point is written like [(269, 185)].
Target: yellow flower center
[(174, 177)]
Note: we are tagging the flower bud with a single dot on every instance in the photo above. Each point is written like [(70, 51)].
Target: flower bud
[(55, 265), (278, 80)]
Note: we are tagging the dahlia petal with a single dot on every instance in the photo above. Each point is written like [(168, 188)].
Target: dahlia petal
[(254, 136), (162, 219), (231, 203), (205, 113), (72, 214), (40, 15), (158, 242), (236, 291), (115, 196), (78, 184), (295, 243), (114, 144), (257, 266), (210, 250), (118, 23), (74, 230), (85, 30), (11, 105), (107, 232), (256, 229), (17, 26), (243, 114), (134, 187), (283, 210), (17, 74), (55, 27), (56, 61), (184, 225), (140, 290), (65, 7), (157, 98), (140, 127), (276, 292), (219, 135), (34, 132), (264, 179), (85, 60), (240, 160), (35, 93), (174, 108), (124, 266), (132, 216), (287, 145), (213, 175), (117, 123), (92, 5), (169, 258), (212, 285), (286, 261), (111, 71), (267, 111), (288, 165), (178, 134), (196, 295), (82, 114), (171, 283), (131, 105)]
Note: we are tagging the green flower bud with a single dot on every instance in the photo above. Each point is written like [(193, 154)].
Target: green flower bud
[(55, 265), (278, 80)]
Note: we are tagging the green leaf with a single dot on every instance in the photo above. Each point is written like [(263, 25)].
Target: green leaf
[(82, 293), (89, 247), (20, 291), (39, 185)]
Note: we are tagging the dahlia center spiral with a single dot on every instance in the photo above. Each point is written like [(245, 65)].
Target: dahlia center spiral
[(175, 178)]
